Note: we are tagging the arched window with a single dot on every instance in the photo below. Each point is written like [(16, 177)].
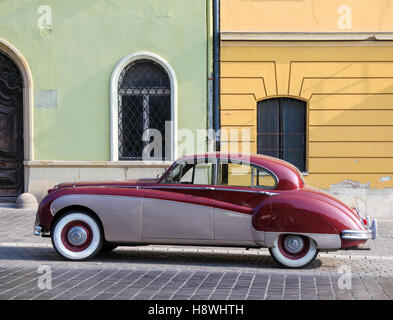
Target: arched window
[(282, 130), (144, 103)]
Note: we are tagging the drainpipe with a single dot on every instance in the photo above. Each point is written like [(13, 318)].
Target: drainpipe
[(209, 53), (216, 71)]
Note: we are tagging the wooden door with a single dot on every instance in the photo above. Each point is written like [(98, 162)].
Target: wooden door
[(11, 129)]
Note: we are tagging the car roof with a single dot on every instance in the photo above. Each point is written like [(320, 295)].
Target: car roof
[(289, 177)]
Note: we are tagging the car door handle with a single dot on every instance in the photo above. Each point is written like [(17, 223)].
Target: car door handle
[(268, 193)]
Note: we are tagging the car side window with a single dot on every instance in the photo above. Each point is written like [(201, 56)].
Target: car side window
[(235, 174), (238, 174), (191, 172), (263, 179)]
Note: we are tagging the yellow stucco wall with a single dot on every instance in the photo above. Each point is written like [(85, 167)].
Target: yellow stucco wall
[(306, 15), (348, 87)]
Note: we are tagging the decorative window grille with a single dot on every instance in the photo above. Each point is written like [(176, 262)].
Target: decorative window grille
[(281, 126), (144, 103)]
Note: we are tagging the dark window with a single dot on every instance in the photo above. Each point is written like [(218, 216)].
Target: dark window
[(282, 130), (144, 103)]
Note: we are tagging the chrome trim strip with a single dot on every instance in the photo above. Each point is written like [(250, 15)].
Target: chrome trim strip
[(249, 191), (180, 186), (177, 187), (356, 234), (209, 188), (102, 186)]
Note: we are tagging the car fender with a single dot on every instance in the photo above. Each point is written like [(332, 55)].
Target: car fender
[(120, 225), (294, 213)]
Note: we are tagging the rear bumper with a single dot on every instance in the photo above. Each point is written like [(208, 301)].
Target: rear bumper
[(358, 235)]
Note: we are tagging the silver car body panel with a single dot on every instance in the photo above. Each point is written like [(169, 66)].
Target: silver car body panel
[(236, 227), (176, 220)]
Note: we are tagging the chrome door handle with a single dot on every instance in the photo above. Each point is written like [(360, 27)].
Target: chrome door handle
[(268, 193)]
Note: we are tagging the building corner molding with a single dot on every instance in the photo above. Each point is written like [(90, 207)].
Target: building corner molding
[(305, 36)]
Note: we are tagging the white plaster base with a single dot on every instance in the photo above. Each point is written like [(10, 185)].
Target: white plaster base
[(377, 203), (42, 176)]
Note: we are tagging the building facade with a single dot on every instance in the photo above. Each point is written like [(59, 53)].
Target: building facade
[(312, 83), (82, 82)]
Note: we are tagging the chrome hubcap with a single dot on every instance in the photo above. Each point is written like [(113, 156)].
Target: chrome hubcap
[(77, 236), (293, 244)]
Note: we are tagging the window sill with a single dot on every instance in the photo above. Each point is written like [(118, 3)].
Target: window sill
[(96, 164)]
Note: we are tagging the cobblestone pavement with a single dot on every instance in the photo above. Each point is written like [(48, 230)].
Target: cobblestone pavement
[(176, 272)]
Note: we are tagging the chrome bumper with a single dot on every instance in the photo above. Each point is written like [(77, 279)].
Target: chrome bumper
[(37, 230), (370, 233)]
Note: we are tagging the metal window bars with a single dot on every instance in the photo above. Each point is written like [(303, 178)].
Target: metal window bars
[(144, 96)]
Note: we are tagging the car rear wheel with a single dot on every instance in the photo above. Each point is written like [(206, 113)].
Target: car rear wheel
[(293, 250), (77, 236)]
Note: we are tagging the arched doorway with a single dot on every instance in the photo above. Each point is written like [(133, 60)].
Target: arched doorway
[(281, 126), (11, 129)]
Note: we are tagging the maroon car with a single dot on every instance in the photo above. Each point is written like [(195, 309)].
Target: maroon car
[(213, 199)]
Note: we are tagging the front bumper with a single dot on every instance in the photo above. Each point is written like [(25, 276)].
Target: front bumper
[(358, 235), (37, 230)]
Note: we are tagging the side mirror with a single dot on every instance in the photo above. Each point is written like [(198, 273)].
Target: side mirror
[(169, 178), (160, 174)]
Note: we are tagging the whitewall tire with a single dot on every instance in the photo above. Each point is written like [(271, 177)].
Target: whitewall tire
[(77, 236), (293, 250)]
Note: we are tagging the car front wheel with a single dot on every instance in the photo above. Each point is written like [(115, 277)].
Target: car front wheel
[(293, 250), (77, 236)]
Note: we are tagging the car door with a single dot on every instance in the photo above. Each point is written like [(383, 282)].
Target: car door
[(240, 188), (180, 208)]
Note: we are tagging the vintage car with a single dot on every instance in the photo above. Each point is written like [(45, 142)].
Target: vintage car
[(213, 199)]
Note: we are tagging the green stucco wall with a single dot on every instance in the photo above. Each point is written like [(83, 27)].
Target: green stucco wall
[(88, 39)]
